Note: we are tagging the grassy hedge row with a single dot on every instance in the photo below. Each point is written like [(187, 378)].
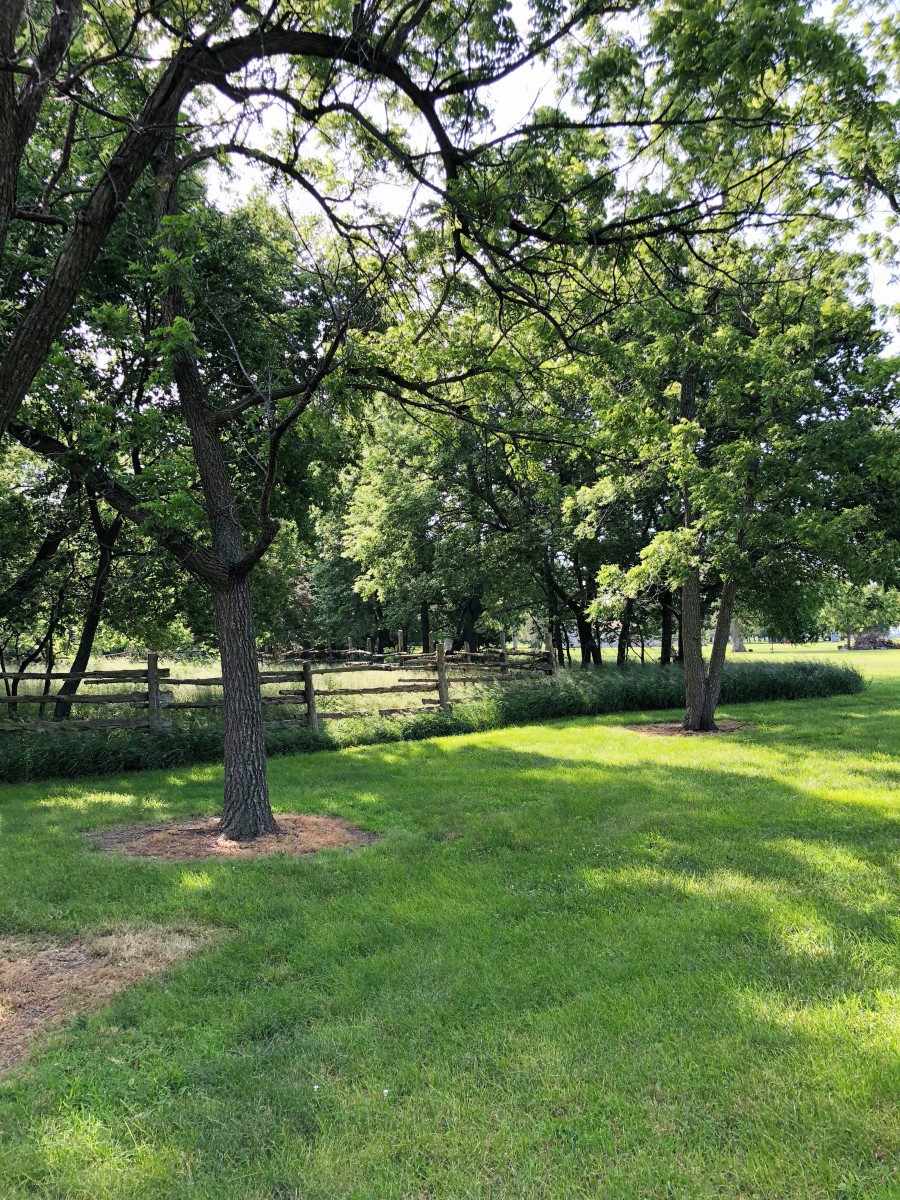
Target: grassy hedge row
[(50, 755)]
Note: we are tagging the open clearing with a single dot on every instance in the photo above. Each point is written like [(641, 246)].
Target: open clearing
[(578, 962)]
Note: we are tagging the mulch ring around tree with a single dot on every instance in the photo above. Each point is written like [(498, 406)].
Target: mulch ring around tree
[(301, 834), (43, 984), (673, 729)]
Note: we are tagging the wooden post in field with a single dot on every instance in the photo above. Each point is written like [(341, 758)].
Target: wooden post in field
[(153, 704), (551, 653), (399, 641), (309, 690), (503, 646), (368, 645), (443, 690), (429, 649)]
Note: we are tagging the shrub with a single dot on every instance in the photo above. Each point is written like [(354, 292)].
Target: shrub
[(52, 754)]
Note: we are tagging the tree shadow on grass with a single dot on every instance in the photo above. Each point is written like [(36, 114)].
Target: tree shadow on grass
[(661, 968)]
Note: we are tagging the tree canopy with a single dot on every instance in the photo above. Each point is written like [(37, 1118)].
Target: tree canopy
[(293, 302)]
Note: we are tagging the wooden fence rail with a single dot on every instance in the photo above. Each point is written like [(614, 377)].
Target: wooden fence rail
[(435, 672)]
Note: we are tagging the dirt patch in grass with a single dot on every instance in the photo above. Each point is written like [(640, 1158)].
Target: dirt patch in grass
[(40, 985), (301, 834), (673, 729)]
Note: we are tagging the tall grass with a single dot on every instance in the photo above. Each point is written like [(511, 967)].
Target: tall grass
[(198, 739)]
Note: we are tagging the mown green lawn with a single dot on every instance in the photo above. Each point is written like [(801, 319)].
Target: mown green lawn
[(581, 962)]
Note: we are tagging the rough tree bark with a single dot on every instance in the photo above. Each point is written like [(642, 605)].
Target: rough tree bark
[(106, 541), (246, 811)]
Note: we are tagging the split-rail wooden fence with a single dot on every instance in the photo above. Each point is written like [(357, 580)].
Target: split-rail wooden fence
[(154, 687)]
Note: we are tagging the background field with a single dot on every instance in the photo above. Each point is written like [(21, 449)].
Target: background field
[(869, 661), (581, 962)]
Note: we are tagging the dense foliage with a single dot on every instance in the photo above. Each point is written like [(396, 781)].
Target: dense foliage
[(315, 324)]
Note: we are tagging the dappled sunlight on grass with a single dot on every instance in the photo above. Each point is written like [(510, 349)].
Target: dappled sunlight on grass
[(875, 1023), (196, 881), (580, 962)]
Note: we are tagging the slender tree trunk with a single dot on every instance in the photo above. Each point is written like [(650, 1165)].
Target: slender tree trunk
[(717, 656), (702, 684), (692, 648), (567, 645), (425, 622), (106, 540), (598, 645), (48, 682), (586, 639), (557, 640), (665, 648), (12, 597), (39, 650), (737, 638), (246, 813), (624, 636)]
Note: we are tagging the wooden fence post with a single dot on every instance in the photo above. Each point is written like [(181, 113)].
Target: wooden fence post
[(368, 645), (399, 641), (153, 705), (551, 653), (312, 716), (429, 649), (443, 690), (503, 646)]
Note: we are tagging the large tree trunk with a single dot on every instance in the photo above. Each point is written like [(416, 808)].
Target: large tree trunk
[(246, 813), (106, 541), (737, 638), (665, 647), (466, 636)]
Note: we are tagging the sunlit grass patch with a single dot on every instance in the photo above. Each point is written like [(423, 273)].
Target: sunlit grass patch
[(578, 963)]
